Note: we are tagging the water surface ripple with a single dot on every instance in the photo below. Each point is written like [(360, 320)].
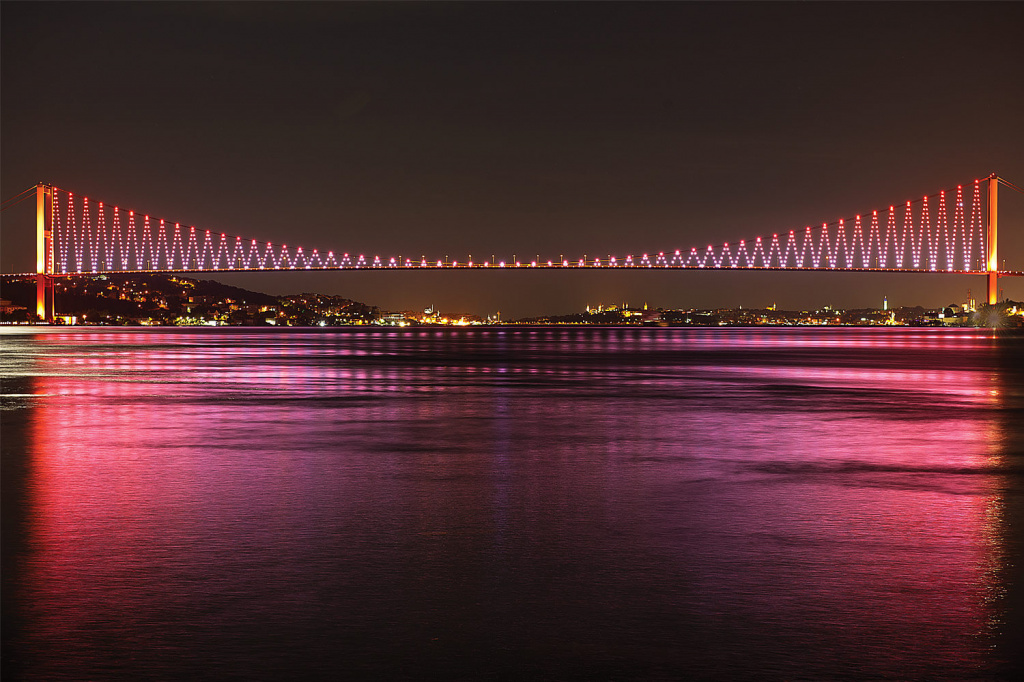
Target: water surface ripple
[(512, 503)]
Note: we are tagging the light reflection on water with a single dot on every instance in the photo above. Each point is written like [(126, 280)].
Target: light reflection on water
[(521, 503)]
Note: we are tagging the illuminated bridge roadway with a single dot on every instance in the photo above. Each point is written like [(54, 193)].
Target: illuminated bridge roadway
[(953, 231)]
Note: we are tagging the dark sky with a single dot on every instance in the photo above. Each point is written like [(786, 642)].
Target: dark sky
[(447, 129)]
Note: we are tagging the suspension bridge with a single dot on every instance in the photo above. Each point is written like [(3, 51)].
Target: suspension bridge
[(953, 231)]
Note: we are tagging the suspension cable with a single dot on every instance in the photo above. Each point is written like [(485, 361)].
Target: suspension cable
[(17, 198), (1009, 184)]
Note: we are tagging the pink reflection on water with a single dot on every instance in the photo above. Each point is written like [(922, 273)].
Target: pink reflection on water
[(849, 509)]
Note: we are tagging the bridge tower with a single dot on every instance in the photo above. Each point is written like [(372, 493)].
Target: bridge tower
[(992, 261), (44, 254)]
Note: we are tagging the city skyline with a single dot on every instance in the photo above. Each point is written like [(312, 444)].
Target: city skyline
[(169, 300), (446, 130)]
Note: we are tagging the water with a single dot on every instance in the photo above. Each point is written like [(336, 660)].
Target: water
[(534, 503)]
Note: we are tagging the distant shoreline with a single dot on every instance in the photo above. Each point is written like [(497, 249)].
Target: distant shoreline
[(164, 300)]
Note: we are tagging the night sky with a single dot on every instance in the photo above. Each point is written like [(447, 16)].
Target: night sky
[(449, 129)]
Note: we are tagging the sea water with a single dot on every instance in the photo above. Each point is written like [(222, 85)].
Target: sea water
[(512, 503)]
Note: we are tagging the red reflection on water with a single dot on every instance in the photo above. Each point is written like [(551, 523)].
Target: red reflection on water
[(846, 509)]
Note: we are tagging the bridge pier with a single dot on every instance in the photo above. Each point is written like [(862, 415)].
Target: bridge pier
[(44, 256), (992, 260)]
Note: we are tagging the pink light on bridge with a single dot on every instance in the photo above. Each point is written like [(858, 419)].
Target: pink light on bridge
[(918, 241)]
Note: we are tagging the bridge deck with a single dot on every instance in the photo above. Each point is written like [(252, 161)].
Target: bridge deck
[(527, 266)]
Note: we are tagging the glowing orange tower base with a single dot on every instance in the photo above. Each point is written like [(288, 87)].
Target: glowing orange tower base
[(44, 256), (992, 260)]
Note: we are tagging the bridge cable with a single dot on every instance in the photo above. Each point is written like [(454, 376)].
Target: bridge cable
[(1009, 184), (9, 202)]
